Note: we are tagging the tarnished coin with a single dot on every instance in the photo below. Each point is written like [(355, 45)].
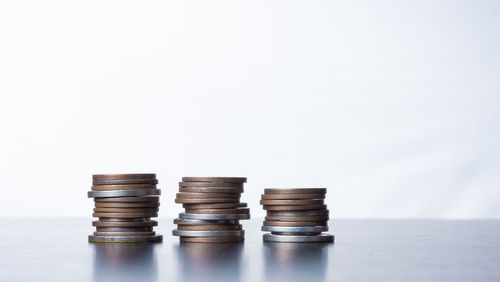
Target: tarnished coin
[(215, 179), (181, 221), (124, 193), (295, 208), (124, 176), (211, 184), (211, 233), (215, 206), (295, 223), (149, 199), (207, 227), (289, 196), (212, 239), (206, 201), (128, 205), (297, 218), (123, 187), (211, 189), (127, 210), (124, 229), (125, 223), (298, 213), (150, 233), (207, 195), (295, 229), (214, 216), (298, 239), (219, 211), (291, 202), (124, 215), (295, 190), (125, 239), (123, 182)]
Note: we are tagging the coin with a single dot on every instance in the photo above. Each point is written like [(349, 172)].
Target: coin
[(127, 210), (295, 190), (289, 196), (298, 239), (212, 239), (206, 227), (295, 208), (291, 202), (214, 206), (214, 216), (297, 218), (124, 223), (137, 219), (219, 211), (215, 179), (125, 215), (211, 233), (125, 176), (123, 193), (123, 182), (295, 229), (211, 189), (124, 229), (149, 199), (125, 239), (298, 213), (205, 201), (294, 223), (127, 205), (181, 221), (211, 184), (206, 195), (151, 233), (123, 187)]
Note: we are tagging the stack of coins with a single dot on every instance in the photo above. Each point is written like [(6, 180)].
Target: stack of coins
[(125, 204), (296, 215), (212, 210)]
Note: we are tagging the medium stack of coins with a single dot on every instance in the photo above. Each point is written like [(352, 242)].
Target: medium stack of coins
[(212, 210), (125, 204), (296, 215)]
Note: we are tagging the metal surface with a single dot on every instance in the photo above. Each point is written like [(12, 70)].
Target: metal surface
[(123, 193), (214, 216), (295, 229), (364, 250), (214, 233), (298, 239)]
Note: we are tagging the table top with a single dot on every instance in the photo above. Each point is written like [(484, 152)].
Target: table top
[(56, 249)]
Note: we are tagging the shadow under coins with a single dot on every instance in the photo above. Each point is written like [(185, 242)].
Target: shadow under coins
[(125, 262), (209, 262), (296, 261)]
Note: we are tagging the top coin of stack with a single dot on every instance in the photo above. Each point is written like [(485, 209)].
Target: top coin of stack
[(124, 204), (212, 210), (296, 215)]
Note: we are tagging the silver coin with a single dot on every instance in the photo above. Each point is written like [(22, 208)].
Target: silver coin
[(182, 221), (213, 233), (123, 193), (214, 216), (125, 239), (325, 237), (295, 229), (297, 213)]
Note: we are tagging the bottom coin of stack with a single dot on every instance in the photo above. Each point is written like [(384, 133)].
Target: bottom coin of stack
[(212, 210), (296, 215), (125, 204)]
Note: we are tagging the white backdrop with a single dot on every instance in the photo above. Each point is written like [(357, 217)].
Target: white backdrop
[(392, 105)]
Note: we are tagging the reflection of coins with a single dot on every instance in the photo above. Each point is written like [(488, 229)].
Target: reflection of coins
[(125, 239), (212, 239), (298, 239), (215, 179)]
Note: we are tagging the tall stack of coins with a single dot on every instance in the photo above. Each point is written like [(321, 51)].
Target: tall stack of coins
[(212, 210), (125, 204), (296, 215)]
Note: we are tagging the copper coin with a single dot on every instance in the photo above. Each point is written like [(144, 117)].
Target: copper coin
[(219, 211), (204, 227), (125, 239), (212, 239), (211, 184), (295, 224), (208, 200), (215, 179), (180, 221), (291, 202), (124, 229), (124, 176), (150, 233), (295, 190), (215, 206), (211, 189), (154, 199), (124, 219), (123, 187), (125, 215), (297, 233), (127, 205), (207, 195), (125, 182), (127, 210), (297, 218), (295, 208), (298, 213), (289, 196), (124, 223)]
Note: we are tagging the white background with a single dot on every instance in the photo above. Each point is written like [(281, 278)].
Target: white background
[(392, 105)]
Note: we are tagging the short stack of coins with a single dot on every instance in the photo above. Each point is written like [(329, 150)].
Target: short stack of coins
[(125, 204), (296, 215), (212, 210)]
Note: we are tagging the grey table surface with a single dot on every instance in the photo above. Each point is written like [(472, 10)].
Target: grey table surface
[(50, 249)]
